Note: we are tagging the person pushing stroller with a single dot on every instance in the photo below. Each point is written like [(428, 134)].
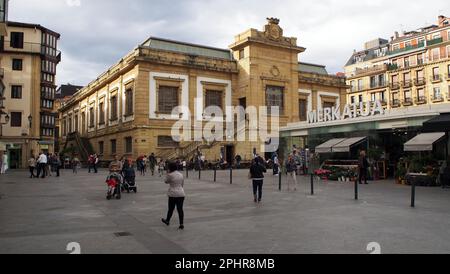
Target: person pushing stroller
[(114, 179)]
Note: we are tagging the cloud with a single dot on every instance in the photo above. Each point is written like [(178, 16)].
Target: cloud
[(98, 33)]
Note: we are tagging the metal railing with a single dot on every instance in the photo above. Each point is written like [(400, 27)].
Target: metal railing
[(408, 48), (434, 41), (33, 48), (436, 78), (419, 81)]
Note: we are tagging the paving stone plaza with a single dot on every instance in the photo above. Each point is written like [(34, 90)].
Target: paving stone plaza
[(45, 215)]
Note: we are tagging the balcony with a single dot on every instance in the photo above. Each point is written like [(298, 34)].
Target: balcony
[(395, 103), (407, 102), (436, 78), (406, 84), (419, 81), (377, 85), (434, 41), (408, 48), (394, 85), (392, 67), (420, 100), (27, 47), (374, 69), (437, 98)]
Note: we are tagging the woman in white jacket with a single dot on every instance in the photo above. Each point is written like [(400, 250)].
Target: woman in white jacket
[(4, 165), (176, 194)]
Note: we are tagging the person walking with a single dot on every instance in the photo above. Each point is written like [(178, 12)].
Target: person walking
[(276, 164), (96, 160), (42, 164), (363, 166), (152, 162), (75, 164), (291, 168), (56, 163), (238, 160), (32, 166), (4, 164), (161, 167), (257, 170), (90, 163), (176, 194)]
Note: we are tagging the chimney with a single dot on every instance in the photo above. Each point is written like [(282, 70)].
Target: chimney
[(441, 20), (397, 35)]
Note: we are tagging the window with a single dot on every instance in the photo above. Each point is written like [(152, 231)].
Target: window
[(420, 59), (360, 98), (76, 122), (64, 127), (408, 44), (421, 94), (352, 84), (16, 92), (17, 64), (303, 109), (167, 99), (113, 146), (274, 98), (83, 122), (382, 96), (113, 104), (436, 76), (407, 77), (407, 62), (373, 82), (101, 113), (214, 98), (448, 71), (407, 94), (70, 125), (373, 97), (48, 104), (167, 141), (419, 75), (128, 145), (352, 99), (101, 147), (129, 102), (360, 84), (435, 54), (381, 80), (395, 79), (17, 40), (437, 93), (241, 54), (91, 117), (395, 47), (16, 119)]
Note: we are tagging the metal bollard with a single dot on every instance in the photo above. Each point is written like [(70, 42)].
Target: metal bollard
[(356, 190), (215, 174), (312, 184), (279, 180), (231, 175), (187, 172), (413, 193), (200, 173)]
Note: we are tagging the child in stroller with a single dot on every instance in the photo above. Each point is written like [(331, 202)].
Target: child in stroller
[(114, 182), (129, 176)]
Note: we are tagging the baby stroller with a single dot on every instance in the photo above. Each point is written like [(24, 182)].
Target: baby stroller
[(114, 182), (129, 175)]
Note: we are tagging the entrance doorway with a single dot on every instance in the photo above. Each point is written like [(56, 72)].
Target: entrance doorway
[(15, 158), (229, 153)]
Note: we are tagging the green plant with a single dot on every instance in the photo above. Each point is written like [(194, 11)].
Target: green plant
[(375, 153)]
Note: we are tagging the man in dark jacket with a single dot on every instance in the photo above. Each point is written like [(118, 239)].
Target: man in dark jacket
[(363, 166), (257, 170)]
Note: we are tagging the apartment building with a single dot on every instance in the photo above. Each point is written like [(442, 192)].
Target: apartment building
[(29, 57), (411, 69)]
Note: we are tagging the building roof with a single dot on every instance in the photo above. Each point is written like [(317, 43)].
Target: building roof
[(67, 91), (187, 48), (34, 26), (312, 68)]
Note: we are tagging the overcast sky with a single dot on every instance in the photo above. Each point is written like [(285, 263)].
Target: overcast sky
[(97, 33)]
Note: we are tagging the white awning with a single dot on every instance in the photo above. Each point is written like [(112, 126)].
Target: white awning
[(347, 144), (326, 147), (424, 142)]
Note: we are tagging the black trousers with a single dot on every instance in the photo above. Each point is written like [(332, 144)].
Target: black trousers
[(56, 168), (257, 189), (362, 174), (178, 203), (41, 168), (32, 172)]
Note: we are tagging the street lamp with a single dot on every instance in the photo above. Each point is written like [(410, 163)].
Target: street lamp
[(30, 119)]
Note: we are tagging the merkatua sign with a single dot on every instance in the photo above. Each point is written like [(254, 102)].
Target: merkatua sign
[(349, 111)]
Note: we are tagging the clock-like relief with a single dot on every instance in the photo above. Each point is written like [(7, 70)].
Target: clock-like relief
[(275, 32), (275, 71)]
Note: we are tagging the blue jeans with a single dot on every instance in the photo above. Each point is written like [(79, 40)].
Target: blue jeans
[(257, 189)]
